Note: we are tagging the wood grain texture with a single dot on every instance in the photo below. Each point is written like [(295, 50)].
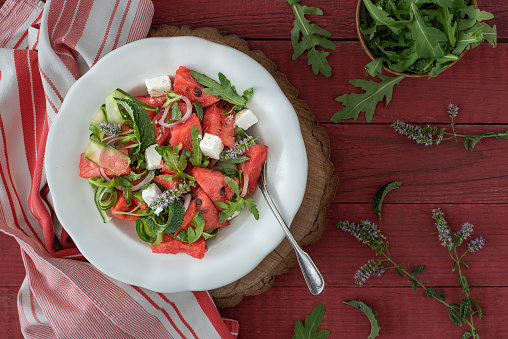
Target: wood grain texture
[(310, 221), (9, 320), (273, 19), (477, 84), (401, 313), (467, 186)]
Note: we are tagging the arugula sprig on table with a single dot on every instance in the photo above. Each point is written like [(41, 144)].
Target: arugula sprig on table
[(309, 329), (306, 37), (236, 204)]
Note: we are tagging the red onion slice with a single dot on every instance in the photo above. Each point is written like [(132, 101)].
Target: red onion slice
[(245, 186), (103, 173), (113, 139), (186, 201), (143, 182), (186, 116)]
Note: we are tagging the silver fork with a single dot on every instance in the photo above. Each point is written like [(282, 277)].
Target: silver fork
[(313, 278)]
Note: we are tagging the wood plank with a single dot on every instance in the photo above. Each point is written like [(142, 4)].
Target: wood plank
[(272, 19), (477, 84), (11, 265), (9, 320), (367, 156), (413, 240), (401, 313)]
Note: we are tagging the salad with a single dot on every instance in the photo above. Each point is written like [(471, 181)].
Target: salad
[(177, 162)]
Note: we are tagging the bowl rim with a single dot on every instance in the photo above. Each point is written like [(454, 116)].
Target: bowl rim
[(373, 57)]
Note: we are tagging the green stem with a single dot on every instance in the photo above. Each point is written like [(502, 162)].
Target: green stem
[(466, 290), (425, 289)]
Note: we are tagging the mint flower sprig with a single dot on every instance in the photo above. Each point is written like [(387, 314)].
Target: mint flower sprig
[(431, 135), (369, 234)]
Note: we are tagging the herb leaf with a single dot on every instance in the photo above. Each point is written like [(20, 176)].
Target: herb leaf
[(143, 126), (369, 312), (312, 323), (236, 204), (380, 195), (355, 103), (197, 158), (306, 37), (223, 90)]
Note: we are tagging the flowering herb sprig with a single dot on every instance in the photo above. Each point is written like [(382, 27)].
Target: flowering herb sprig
[(235, 154), (111, 130), (369, 234), (431, 135)]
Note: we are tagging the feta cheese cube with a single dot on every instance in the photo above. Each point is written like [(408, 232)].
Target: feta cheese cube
[(245, 118), (158, 86), (211, 146), (153, 158), (150, 193)]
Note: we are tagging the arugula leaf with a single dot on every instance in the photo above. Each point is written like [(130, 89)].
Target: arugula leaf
[(306, 37), (374, 67), (236, 204), (193, 234), (355, 103), (143, 126), (369, 312), (223, 90), (199, 110), (174, 161), (427, 39), (197, 158), (383, 18), (312, 323)]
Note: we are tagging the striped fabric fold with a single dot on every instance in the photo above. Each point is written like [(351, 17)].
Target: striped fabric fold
[(44, 48)]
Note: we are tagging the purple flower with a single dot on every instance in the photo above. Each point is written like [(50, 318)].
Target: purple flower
[(445, 233), (367, 233), (463, 233), (241, 146), (371, 268), (165, 199), (422, 135), (110, 129), (476, 244), (453, 110)]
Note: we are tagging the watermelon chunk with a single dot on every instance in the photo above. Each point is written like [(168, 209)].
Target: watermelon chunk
[(171, 245), (185, 84), (167, 184), (152, 101), (221, 125), (162, 133), (182, 133), (88, 169), (189, 215), (121, 206), (208, 210), (252, 167), (212, 182)]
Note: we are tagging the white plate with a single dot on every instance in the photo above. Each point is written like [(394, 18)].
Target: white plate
[(114, 248)]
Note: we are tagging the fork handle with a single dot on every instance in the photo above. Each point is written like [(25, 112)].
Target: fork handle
[(311, 274)]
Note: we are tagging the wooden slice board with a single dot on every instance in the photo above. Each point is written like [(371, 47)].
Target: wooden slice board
[(310, 221)]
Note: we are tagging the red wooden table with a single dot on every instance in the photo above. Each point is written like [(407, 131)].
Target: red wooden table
[(467, 186)]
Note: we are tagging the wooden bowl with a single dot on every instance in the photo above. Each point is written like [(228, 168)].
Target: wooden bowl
[(372, 56)]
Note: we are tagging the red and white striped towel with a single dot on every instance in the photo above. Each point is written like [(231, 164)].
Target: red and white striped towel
[(44, 48)]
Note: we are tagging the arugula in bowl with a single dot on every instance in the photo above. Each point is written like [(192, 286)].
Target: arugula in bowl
[(421, 37)]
